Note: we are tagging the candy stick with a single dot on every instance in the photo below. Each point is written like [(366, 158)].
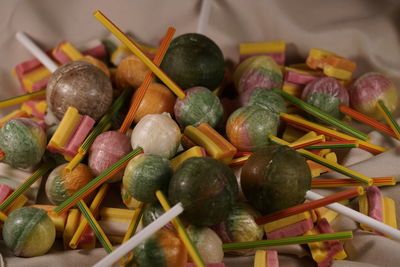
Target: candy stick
[(26, 184), (288, 241), (353, 192), (204, 16), (96, 182), (266, 258), (101, 236), (36, 51), (322, 115), (134, 222), (358, 217), (136, 50), (22, 98), (141, 91), (329, 132), (100, 127), (3, 217), (367, 120), (327, 163), (13, 115), (377, 181), (389, 118), (93, 207), (307, 142), (333, 144), (192, 250), (140, 237)]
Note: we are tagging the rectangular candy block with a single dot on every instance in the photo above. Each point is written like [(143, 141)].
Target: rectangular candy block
[(276, 50), (337, 73), (278, 224), (215, 144), (82, 130), (65, 129), (292, 88), (196, 151), (66, 52), (266, 258), (300, 77), (94, 48), (295, 229), (340, 63), (36, 79), (317, 57), (35, 108), (5, 191)]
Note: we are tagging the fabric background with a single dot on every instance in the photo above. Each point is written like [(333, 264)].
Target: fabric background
[(364, 31)]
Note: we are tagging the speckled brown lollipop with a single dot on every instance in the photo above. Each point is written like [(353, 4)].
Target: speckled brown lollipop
[(80, 85)]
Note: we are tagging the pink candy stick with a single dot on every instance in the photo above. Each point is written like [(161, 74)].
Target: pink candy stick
[(298, 78), (60, 55), (292, 230), (83, 129), (5, 191), (272, 258), (375, 205)]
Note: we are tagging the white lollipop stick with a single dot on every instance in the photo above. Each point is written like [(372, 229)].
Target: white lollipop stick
[(204, 16), (36, 51), (140, 236), (358, 217)]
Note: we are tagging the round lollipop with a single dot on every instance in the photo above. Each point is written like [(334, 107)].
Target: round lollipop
[(207, 242), (199, 106), (193, 59), (145, 174), (267, 99), (327, 94), (81, 85), (108, 148), (23, 142), (162, 249), (240, 225), (207, 189), (157, 134), (248, 127), (29, 232), (60, 185), (275, 178), (158, 99), (131, 71), (255, 72), (366, 90), (151, 212)]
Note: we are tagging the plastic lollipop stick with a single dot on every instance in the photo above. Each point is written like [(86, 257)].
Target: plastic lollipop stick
[(204, 16), (358, 217), (140, 237), (36, 51)]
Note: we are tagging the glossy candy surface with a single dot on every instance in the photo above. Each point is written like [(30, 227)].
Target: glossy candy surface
[(81, 85), (131, 71), (267, 99), (29, 232), (23, 141), (207, 242)]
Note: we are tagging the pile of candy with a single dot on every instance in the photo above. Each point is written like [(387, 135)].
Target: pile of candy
[(172, 125)]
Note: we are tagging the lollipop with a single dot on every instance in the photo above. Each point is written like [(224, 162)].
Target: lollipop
[(267, 99), (131, 71), (60, 185), (194, 60), (275, 178), (108, 148), (29, 232), (255, 72), (163, 248), (207, 242), (199, 106), (129, 201), (327, 94), (248, 127), (145, 174), (207, 189), (157, 134), (81, 85), (23, 142), (368, 89), (240, 225), (151, 212)]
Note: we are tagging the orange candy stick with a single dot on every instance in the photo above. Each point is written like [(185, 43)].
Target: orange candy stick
[(311, 205), (141, 91)]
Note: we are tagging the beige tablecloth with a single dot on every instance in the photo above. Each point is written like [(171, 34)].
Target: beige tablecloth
[(364, 31)]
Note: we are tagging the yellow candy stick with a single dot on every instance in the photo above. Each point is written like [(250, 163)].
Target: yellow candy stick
[(116, 215), (329, 132), (101, 236), (260, 258), (303, 142), (136, 50), (3, 217), (265, 47), (82, 225), (341, 74), (310, 134), (70, 226), (327, 163), (66, 128), (134, 223), (389, 212), (19, 202), (22, 98), (192, 250), (195, 151), (71, 51), (278, 224)]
